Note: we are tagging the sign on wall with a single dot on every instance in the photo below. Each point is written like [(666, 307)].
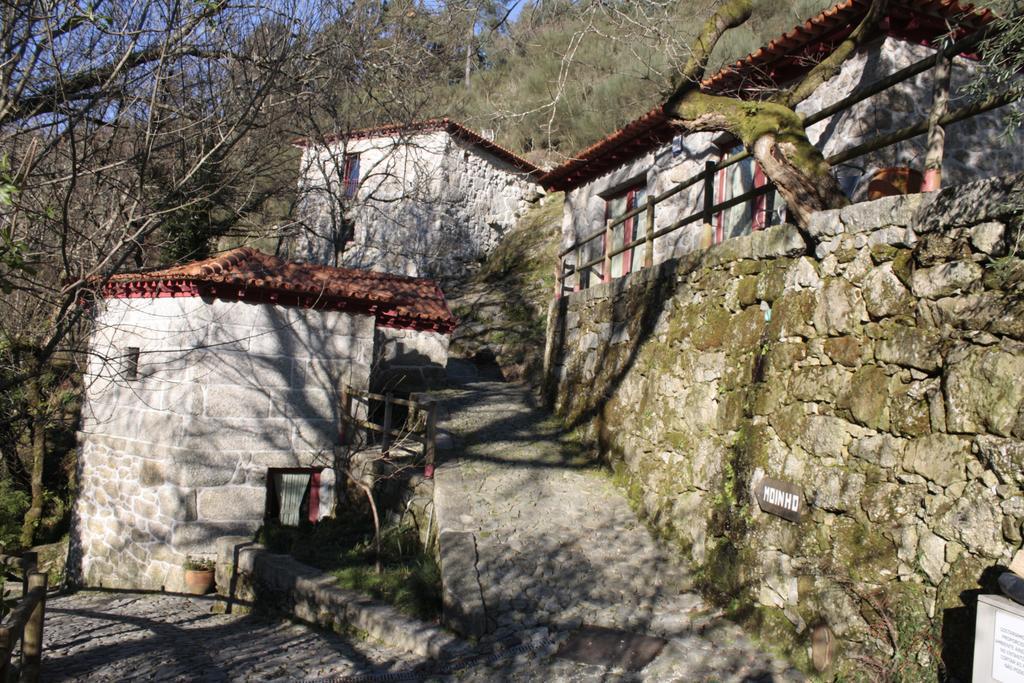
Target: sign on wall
[(780, 498), (998, 641)]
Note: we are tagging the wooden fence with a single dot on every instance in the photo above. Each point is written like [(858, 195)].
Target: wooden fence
[(25, 621), (939, 117), (421, 431)]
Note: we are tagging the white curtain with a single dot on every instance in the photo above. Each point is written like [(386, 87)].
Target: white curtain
[(290, 489)]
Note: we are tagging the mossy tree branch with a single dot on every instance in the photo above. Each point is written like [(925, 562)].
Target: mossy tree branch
[(775, 135), (772, 131), (732, 14)]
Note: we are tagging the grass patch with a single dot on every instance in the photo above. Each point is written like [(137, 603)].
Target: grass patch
[(409, 579)]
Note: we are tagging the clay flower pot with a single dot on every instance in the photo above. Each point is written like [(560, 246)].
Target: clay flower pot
[(888, 182), (198, 581)]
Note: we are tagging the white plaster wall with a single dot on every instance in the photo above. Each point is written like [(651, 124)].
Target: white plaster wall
[(428, 205), (179, 456), (973, 149)]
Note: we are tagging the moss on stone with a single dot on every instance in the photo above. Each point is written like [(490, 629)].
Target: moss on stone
[(789, 423), (844, 350), (903, 266), (709, 325), (880, 253), (746, 267), (860, 552), (772, 280), (910, 416), (792, 315), (746, 290), (782, 356), (745, 330), (868, 397), (775, 632)]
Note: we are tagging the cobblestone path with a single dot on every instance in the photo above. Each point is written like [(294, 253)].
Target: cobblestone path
[(557, 546), (101, 636)]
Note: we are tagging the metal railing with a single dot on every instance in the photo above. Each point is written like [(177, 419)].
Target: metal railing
[(710, 208)]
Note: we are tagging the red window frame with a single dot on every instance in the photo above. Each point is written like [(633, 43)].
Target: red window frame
[(313, 503), (629, 230), (759, 205), (350, 175)]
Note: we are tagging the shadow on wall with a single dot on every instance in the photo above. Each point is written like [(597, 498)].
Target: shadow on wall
[(645, 299), (178, 455)]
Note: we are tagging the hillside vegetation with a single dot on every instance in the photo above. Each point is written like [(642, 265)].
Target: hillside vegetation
[(565, 74), (502, 308)]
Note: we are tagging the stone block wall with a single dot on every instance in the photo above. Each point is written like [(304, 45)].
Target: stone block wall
[(428, 205), (178, 456), (409, 360), (874, 361)]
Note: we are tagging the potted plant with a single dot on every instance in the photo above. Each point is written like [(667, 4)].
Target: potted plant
[(198, 575)]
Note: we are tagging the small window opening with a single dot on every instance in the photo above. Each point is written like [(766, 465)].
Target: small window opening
[(131, 362), (350, 176), (293, 494)]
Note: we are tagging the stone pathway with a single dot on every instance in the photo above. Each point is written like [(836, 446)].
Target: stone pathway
[(556, 546), (101, 636)]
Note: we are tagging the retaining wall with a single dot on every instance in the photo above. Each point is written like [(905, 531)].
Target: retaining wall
[(874, 361), (247, 575)]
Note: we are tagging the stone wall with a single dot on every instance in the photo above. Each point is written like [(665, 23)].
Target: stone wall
[(973, 149), (428, 205), (248, 575), (179, 456), (874, 361), (409, 360)]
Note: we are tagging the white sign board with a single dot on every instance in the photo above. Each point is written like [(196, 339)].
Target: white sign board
[(998, 641), (1008, 648)]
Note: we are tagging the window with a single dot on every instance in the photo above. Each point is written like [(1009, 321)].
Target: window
[(630, 260), (293, 494), (755, 214), (131, 362), (350, 176)]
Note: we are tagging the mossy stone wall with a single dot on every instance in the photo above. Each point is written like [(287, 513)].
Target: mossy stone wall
[(876, 360)]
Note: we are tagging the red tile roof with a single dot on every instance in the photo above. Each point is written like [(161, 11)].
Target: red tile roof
[(453, 128), (250, 275), (783, 59)]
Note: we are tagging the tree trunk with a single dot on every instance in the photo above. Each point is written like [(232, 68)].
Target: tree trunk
[(38, 453), (469, 49), (775, 135)]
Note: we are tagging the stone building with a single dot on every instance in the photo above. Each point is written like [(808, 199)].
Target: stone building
[(426, 199), (212, 397), (646, 157)]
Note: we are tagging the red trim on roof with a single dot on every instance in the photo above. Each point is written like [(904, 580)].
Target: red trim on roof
[(787, 57), (245, 274), (453, 128)]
